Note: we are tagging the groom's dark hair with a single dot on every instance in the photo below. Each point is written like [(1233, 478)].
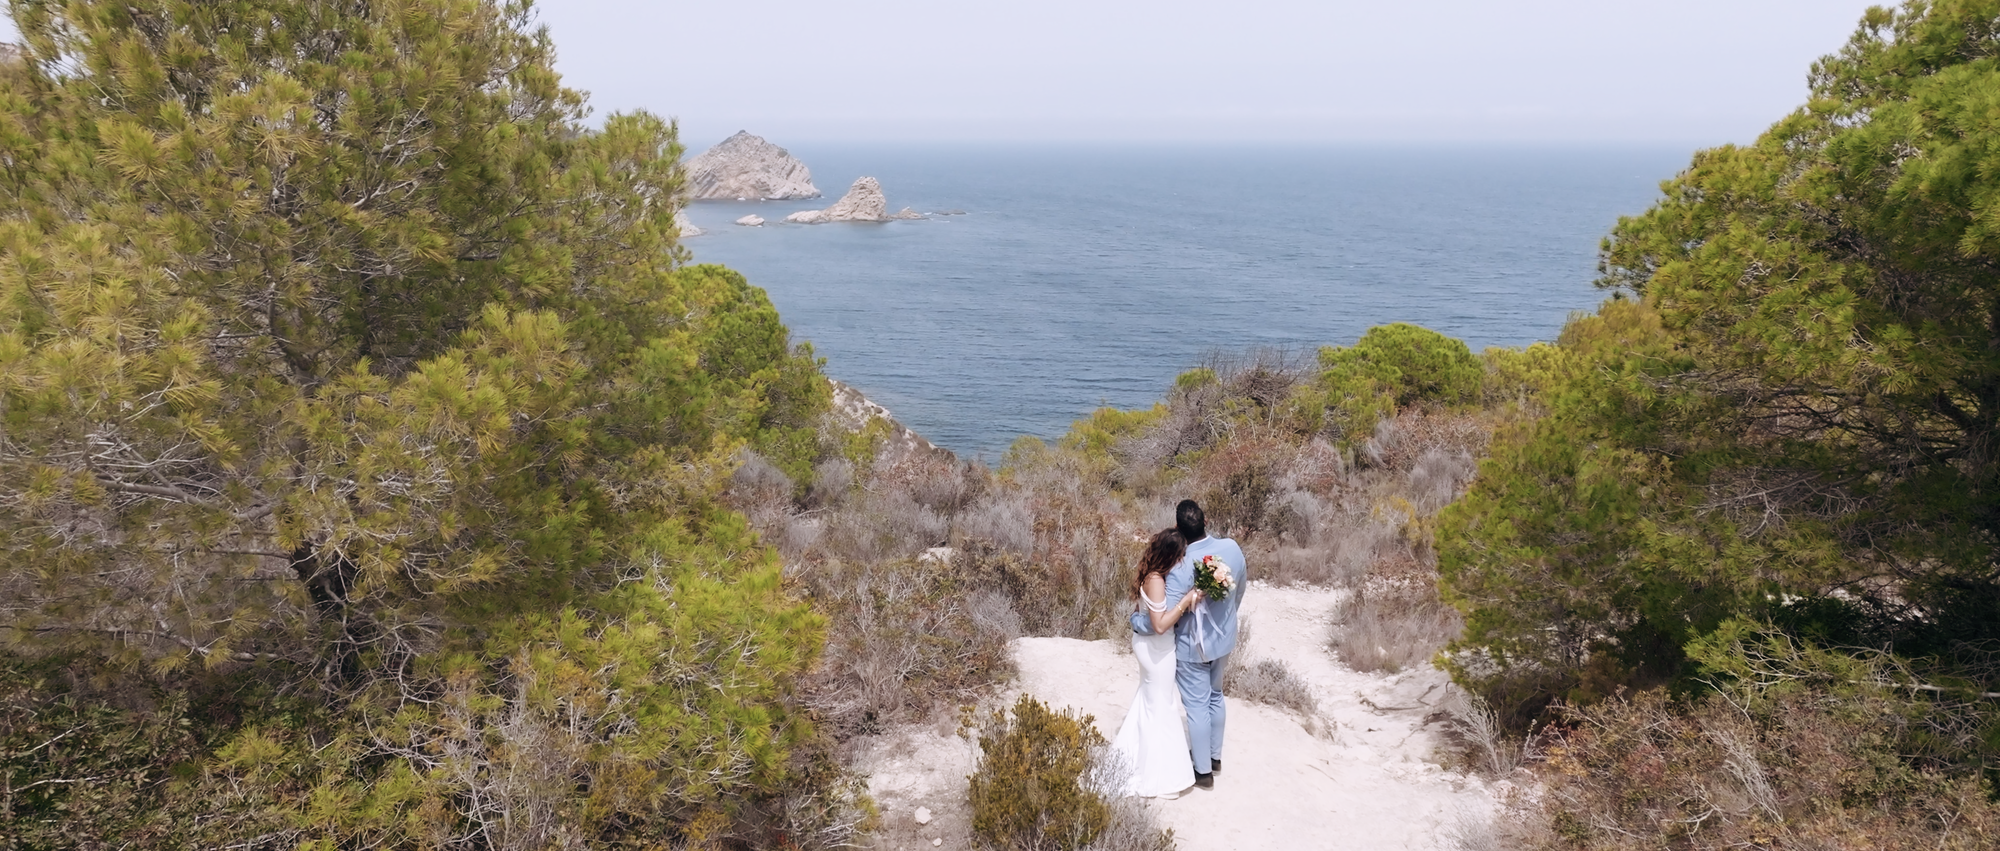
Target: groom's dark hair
[(1193, 524)]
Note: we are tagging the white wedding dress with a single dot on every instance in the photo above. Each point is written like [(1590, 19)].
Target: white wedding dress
[(1153, 740)]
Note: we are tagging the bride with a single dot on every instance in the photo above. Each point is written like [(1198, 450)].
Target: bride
[(1152, 741)]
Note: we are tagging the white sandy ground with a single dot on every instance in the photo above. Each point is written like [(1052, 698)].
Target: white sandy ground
[(1370, 783)]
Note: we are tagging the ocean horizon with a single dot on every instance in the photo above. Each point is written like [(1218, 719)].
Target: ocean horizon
[(1080, 276)]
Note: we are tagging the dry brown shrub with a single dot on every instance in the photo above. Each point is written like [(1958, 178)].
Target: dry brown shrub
[(1341, 552), (1809, 771), (881, 525), (1475, 731), (832, 480), (1235, 481), (1004, 519), (1264, 376), (1438, 477), (903, 639), (1315, 466), (1269, 681), (1391, 624), (1073, 586), (1420, 430), (1195, 420), (939, 482)]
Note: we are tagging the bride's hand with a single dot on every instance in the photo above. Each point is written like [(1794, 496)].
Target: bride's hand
[(1194, 596)]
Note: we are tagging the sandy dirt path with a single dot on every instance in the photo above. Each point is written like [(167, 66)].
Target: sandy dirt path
[(1368, 783)]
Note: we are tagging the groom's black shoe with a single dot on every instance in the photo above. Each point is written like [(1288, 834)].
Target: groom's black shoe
[(1205, 781), (1215, 766)]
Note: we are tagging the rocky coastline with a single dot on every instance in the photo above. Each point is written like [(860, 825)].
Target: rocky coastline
[(853, 412)]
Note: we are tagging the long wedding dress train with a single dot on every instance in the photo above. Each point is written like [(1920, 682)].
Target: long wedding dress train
[(1152, 741)]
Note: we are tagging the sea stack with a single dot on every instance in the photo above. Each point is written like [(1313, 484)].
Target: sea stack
[(748, 168), (862, 203), (686, 227)]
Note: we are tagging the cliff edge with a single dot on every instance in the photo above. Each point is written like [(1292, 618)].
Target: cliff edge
[(852, 411)]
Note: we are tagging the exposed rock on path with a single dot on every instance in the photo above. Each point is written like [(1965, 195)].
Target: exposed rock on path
[(747, 167)]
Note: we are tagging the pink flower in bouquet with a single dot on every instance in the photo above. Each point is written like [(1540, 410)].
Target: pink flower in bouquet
[(1212, 577)]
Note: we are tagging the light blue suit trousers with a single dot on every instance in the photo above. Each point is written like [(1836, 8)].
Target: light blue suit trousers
[(1201, 648)]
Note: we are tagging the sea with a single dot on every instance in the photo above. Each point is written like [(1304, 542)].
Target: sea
[(1069, 278)]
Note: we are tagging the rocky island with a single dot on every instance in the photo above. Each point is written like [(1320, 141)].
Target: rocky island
[(863, 202), (745, 167), (687, 228)]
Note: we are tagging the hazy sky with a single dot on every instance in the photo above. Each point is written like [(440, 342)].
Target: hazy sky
[(1699, 71), (1677, 72)]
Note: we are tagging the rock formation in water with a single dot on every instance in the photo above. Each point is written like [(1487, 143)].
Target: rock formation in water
[(687, 228), (907, 214), (745, 167), (751, 220), (862, 203)]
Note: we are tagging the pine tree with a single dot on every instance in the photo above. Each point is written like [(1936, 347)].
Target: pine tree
[(1795, 418), (333, 341)]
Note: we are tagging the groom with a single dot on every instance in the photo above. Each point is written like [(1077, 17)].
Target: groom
[(1202, 642)]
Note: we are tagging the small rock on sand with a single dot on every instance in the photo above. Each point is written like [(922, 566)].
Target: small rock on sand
[(923, 815)]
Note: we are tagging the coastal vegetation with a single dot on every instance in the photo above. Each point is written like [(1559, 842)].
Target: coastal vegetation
[(377, 472), (1742, 559), (362, 443)]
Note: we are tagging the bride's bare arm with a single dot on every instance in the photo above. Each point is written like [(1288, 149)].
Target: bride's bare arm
[(1156, 589)]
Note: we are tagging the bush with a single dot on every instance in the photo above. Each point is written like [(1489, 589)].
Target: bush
[(1797, 747), (1485, 744), (1394, 366), (1269, 681), (1390, 625), (905, 638), (1031, 791), (1815, 772)]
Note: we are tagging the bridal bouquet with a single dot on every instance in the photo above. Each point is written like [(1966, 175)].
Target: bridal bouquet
[(1211, 577)]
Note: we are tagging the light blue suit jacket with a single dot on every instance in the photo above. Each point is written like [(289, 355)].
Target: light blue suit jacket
[(1213, 634)]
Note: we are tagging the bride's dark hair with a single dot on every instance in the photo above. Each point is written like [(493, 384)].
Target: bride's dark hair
[(1162, 552)]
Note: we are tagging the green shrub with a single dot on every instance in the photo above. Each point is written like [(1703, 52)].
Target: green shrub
[(1195, 379), (1030, 792), (1392, 366)]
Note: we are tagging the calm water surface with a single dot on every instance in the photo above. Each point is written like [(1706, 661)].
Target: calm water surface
[(1082, 277)]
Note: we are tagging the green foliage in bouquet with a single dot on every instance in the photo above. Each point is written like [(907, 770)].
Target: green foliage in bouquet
[(1030, 792), (1207, 582)]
